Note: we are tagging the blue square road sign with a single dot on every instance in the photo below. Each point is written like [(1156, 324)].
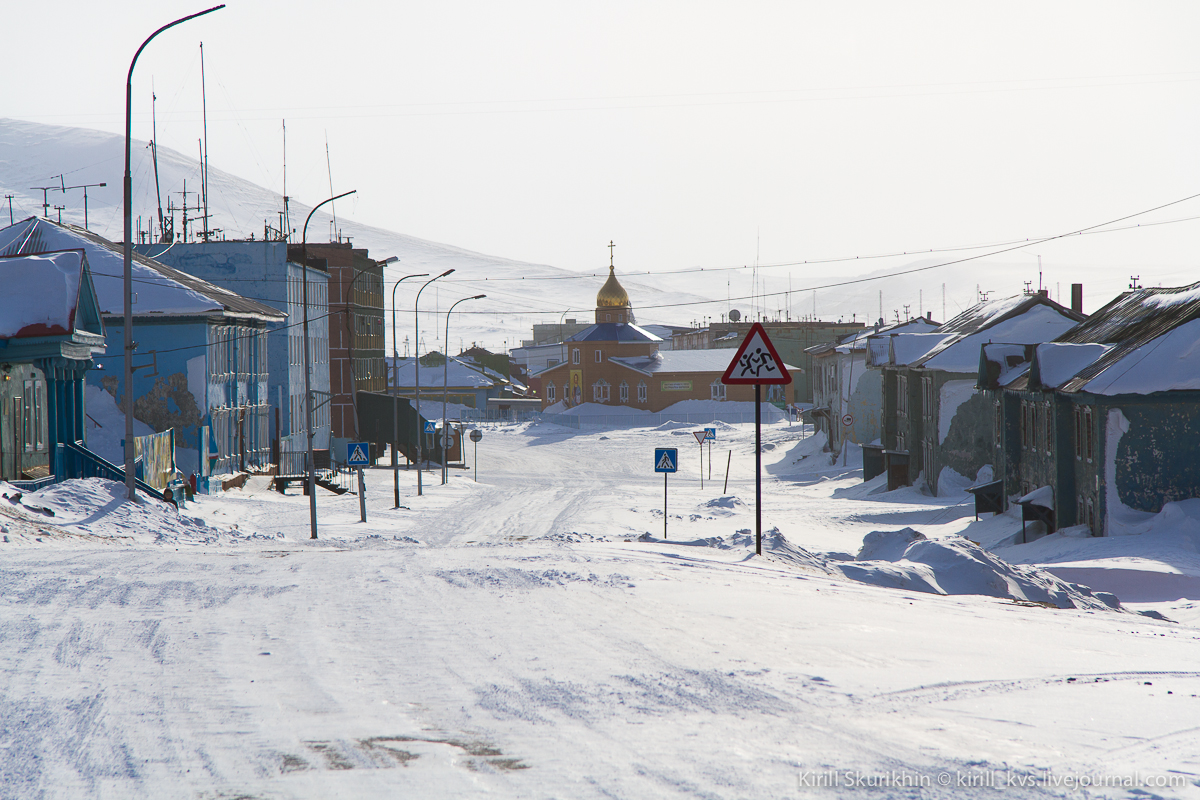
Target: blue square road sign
[(666, 459)]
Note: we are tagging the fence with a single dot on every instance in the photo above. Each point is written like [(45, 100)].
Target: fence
[(157, 453)]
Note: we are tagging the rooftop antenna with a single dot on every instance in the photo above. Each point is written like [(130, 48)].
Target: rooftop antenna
[(46, 203), (287, 220), (9, 198), (1039, 274), (59, 209), (204, 153), (85, 187), (162, 229), (1027, 289), (332, 207), (1133, 281)]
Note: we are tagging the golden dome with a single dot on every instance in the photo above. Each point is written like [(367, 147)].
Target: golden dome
[(612, 294)]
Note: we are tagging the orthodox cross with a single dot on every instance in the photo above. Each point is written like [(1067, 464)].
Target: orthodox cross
[(610, 252)]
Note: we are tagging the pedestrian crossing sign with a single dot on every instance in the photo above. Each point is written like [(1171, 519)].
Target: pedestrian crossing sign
[(666, 459), (358, 454), (430, 426)]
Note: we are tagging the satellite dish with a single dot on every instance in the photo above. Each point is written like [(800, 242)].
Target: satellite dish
[(734, 315)]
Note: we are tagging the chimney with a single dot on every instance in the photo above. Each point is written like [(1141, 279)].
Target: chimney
[(1077, 298), (929, 316)]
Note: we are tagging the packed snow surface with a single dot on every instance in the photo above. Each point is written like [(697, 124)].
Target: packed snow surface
[(544, 632)]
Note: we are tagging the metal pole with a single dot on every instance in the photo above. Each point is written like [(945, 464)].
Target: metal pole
[(665, 474), (446, 385), (728, 461), (308, 396), (396, 390), (702, 465), (362, 495), (477, 462), (417, 363), (758, 468), (130, 478)]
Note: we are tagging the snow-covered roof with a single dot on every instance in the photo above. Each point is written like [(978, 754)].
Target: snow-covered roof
[(1023, 319), (1001, 364), (456, 374), (159, 289), (41, 294), (1057, 362), (905, 348), (1154, 338)]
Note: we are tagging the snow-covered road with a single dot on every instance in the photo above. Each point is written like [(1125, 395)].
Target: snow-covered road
[(512, 638)]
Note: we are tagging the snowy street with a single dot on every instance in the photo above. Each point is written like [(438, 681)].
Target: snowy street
[(513, 637)]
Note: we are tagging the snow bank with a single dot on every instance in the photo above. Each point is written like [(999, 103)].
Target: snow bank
[(954, 394), (905, 559), (96, 507)]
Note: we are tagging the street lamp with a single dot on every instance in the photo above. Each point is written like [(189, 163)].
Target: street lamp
[(396, 392), (446, 383), (130, 478), (308, 398), (417, 364)]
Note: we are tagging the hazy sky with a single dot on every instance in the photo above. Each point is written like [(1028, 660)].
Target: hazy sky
[(690, 133)]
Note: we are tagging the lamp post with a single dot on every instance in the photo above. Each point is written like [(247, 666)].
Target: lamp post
[(308, 398), (446, 383), (396, 392), (130, 485), (417, 363)]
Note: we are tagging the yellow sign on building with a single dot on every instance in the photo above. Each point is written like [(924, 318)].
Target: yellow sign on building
[(676, 386)]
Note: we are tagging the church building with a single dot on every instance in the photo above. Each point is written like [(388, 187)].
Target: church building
[(615, 362)]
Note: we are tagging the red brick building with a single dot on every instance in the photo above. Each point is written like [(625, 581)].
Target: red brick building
[(614, 362), (356, 333)]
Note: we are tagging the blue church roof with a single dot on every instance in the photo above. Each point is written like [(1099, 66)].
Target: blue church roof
[(614, 332)]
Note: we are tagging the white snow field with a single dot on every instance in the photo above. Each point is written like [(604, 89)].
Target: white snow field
[(523, 637)]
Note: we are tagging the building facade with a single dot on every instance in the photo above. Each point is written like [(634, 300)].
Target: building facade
[(356, 328), (262, 270)]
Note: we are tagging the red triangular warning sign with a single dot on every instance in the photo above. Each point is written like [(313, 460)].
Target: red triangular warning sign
[(756, 361)]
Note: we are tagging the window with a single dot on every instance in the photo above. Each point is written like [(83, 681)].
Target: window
[(998, 428), (718, 390), (1047, 428), (1084, 435), (624, 392), (599, 356), (550, 392), (600, 391), (575, 355), (608, 317), (642, 392), (927, 397), (902, 396)]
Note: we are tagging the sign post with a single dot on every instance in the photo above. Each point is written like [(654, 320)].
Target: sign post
[(476, 435), (700, 441), (757, 362), (358, 454), (710, 436), (666, 461)]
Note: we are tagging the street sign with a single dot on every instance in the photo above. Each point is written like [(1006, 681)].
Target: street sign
[(710, 434), (666, 459), (476, 435), (700, 436), (847, 420), (430, 427), (756, 361), (358, 454)]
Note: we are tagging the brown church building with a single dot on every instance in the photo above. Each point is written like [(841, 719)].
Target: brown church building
[(614, 362)]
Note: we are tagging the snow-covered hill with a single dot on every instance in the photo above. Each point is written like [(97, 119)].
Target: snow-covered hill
[(519, 294)]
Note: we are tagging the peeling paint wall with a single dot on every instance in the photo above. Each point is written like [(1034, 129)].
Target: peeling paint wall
[(967, 444), (1157, 460)]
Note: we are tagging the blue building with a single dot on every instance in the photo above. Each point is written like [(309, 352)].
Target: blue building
[(50, 331), (261, 270), (200, 353)]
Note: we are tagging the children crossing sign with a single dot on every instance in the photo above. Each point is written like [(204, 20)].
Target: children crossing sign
[(666, 459), (756, 361), (358, 454)]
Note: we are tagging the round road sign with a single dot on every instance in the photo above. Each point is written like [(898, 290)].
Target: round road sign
[(847, 420), (476, 435)]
